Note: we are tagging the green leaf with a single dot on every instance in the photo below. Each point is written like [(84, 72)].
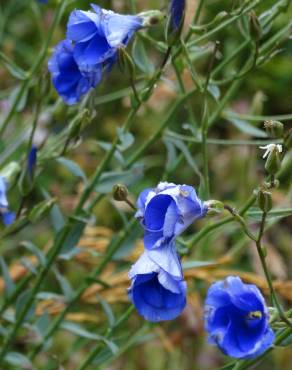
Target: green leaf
[(15, 71), (107, 310), (171, 153), (35, 251), (81, 332), (247, 127), (73, 236), (141, 59), (196, 264), (42, 324), (73, 168), (21, 302), (17, 359), (9, 284), (41, 210), (214, 91), (126, 139), (65, 285), (129, 177)]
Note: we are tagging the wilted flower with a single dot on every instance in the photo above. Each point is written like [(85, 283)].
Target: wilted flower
[(158, 291), (270, 148), (7, 216), (166, 211), (68, 80), (236, 319), (98, 34)]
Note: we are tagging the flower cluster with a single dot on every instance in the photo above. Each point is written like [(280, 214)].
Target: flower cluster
[(158, 289), (236, 319), (92, 43)]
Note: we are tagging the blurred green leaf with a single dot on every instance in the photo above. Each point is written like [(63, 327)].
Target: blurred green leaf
[(9, 284), (19, 360)]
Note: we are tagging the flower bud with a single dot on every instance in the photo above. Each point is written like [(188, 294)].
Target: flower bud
[(254, 27), (264, 199), (274, 129), (151, 17), (214, 207), (120, 192), (175, 22)]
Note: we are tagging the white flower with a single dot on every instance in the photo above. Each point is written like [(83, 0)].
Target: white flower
[(270, 147)]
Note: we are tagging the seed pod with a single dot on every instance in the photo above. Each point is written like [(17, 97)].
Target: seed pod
[(274, 129), (265, 200), (120, 192)]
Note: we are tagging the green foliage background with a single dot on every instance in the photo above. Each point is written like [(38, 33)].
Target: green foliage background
[(168, 127)]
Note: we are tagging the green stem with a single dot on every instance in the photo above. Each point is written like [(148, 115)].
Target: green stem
[(209, 228), (92, 355)]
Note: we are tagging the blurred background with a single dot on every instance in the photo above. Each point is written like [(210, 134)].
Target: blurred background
[(236, 169)]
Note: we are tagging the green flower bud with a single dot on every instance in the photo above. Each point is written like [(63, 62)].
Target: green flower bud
[(254, 27), (214, 207), (41, 210), (151, 18), (274, 129), (120, 192), (264, 199)]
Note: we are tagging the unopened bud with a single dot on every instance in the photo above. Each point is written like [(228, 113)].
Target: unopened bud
[(214, 207), (151, 17), (274, 129), (265, 200), (120, 192), (254, 27)]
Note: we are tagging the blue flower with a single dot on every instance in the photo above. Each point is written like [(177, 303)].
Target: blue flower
[(158, 290), (236, 319), (167, 211), (42, 1), (31, 160), (98, 34), (69, 81), (177, 12), (7, 216)]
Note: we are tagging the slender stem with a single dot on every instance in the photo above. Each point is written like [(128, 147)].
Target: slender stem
[(241, 221), (262, 256), (113, 247), (90, 358), (198, 11)]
